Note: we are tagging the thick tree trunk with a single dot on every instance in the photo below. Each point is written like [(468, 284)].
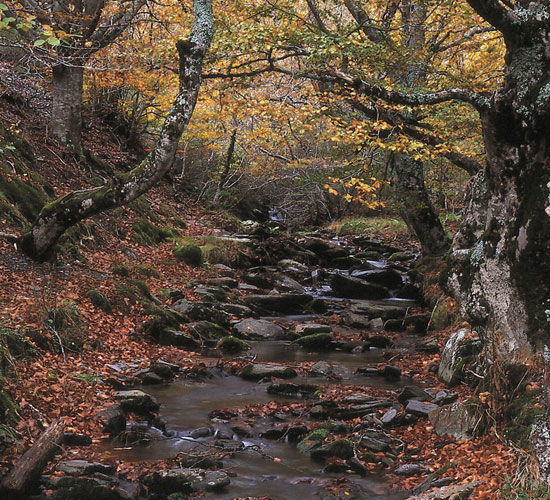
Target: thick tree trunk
[(415, 206), (56, 217), (501, 268), (66, 120)]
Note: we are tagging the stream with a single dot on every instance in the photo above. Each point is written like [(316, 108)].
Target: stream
[(275, 468)]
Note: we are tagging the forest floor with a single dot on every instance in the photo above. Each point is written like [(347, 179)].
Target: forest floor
[(48, 382)]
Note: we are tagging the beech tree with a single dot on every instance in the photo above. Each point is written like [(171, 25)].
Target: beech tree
[(65, 35), (59, 215)]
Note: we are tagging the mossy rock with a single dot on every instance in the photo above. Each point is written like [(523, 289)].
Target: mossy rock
[(13, 343), (189, 254), (99, 300), (9, 410), (65, 321), (445, 314), (312, 440), (148, 271), (78, 488), (318, 341), (147, 233), (121, 270), (521, 414), (232, 344), (341, 448)]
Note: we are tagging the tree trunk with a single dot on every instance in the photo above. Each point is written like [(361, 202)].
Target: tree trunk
[(501, 263), (56, 217), (415, 206), (225, 173), (66, 121)]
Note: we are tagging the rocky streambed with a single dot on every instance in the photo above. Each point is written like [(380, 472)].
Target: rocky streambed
[(310, 367)]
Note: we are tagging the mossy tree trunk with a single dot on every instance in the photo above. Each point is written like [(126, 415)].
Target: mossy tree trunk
[(56, 217), (415, 206), (501, 268)]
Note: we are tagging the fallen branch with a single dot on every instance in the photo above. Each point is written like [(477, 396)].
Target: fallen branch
[(26, 472), (428, 482), (12, 238)]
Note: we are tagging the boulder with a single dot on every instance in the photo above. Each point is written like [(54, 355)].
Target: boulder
[(286, 284), (311, 328), (232, 344), (257, 371), (206, 332), (376, 310), (83, 467), (341, 448), (178, 339), (285, 303), (113, 419), (182, 306), (355, 288), (355, 320), (237, 310), (385, 277), (458, 419), (209, 312), (252, 329), (459, 350), (186, 481), (317, 341), (137, 401)]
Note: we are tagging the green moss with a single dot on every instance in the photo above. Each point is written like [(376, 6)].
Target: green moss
[(521, 414), (312, 440), (189, 254), (181, 223), (9, 410), (27, 198), (67, 327), (232, 344), (316, 341), (14, 344), (121, 270), (147, 271), (141, 207), (99, 300), (147, 233)]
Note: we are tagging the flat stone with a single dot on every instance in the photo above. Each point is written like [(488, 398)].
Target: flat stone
[(236, 310), (376, 310), (413, 392), (224, 281), (345, 286), (458, 419), (385, 277), (201, 432), (411, 470), (186, 481), (389, 417), (286, 303), (83, 467), (252, 329), (419, 408), (312, 328), (260, 370)]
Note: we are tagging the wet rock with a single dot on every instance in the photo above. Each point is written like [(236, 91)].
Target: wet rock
[(413, 392), (458, 492), (388, 278), (316, 245), (375, 310), (113, 419), (355, 320), (429, 345), (325, 369), (296, 432), (389, 417), (341, 448), (252, 329), (151, 378), (242, 431), (376, 441), (224, 281), (290, 389), (400, 257), (260, 280), (359, 398), (368, 371), (75, 439), (200, 462), (164, 369), (391, 372), (258, 371), (419, 408), (411, 470), (182, 306), (232, 344), (459, 420), (444, 398), (311, 328), (206, 332), (380, 341), (318, 341), (224, 434), (83, 467), (461, 347), (345, 262), (293, 266), (211, 293), (354, 288), (285, 303), (211, 313), (201, 432), (178, 339), (236, 310), (83, 488), (186, 481), (275, 432), (286, 284), (137, 401)]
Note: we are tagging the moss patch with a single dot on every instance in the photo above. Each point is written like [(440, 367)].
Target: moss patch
[(521, 414), (147, 233), (99, 300), (189, 254)]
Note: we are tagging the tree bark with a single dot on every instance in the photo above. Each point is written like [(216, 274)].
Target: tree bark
[(66, 120), (26, 472), (56, 217), (225, 173), (415, 206), (501, 265)]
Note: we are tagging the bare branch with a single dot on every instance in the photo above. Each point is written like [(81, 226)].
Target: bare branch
[(317, 16)]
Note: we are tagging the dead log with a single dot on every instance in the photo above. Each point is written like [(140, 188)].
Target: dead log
[(26, 472)]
